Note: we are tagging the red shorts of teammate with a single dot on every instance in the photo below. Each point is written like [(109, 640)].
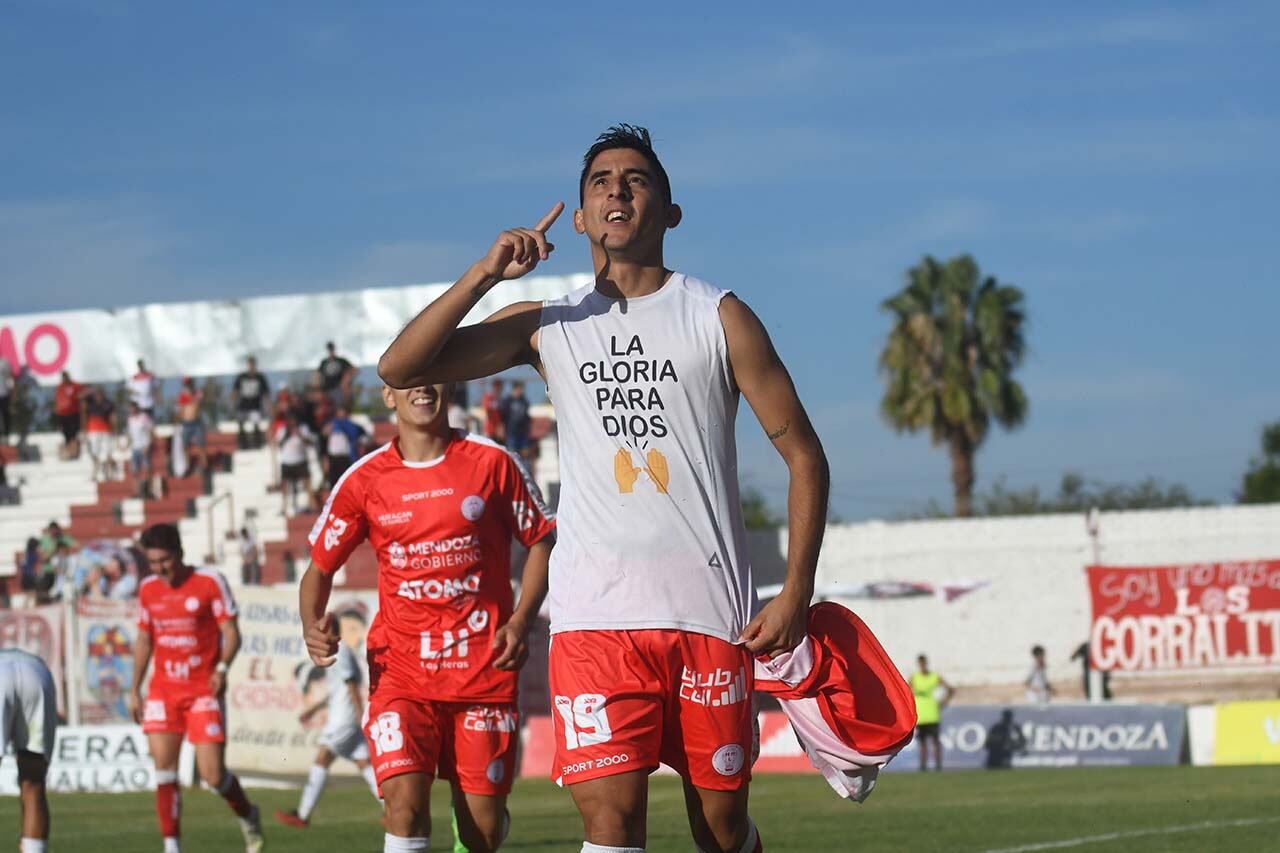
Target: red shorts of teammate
[(471, 742), (200, 718), (627, 700)]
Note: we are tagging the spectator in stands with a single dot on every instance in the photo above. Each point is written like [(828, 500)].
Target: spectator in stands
[(344, 444), (22, 406), (515, 419), (99, 429), (337, 375), (924, 685), (250, 392), (191, 424), (491, 402), (1037, 683), (250, 559), (142, 390), (293, 440), (66, 406), (56, 550), (8, 381), (140, 430), (29, 571), (112, 580), (314, 409), (1086, 663)]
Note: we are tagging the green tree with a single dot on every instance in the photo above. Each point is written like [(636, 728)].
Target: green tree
[(1262, 480), (756, 512), (949, 359)]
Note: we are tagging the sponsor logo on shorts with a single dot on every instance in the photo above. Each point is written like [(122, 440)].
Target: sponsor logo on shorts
[(389, 518), (728, 759), (713, 689), (495, 771), (482, 719), (213, 730), (472, 507), (153, 711)]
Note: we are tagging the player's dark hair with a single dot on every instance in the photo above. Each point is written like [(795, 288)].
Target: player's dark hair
[(1037, 650), (625, 136), (164, 537)]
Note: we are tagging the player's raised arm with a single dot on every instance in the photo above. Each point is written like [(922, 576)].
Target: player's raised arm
[(765, 383), (432, 349)]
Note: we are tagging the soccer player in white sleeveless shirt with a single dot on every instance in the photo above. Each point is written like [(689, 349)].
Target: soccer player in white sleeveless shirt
[(651, 570)]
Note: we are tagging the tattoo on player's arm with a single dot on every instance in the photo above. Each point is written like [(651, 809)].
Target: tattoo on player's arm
[(780, 431)]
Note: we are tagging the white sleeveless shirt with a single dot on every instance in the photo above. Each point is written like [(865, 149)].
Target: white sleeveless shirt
[(650, 531)]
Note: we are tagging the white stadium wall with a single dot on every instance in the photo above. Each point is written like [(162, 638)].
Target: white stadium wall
[(1036, 591)]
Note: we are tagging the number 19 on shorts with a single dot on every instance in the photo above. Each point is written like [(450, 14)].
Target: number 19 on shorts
[(585, 720)]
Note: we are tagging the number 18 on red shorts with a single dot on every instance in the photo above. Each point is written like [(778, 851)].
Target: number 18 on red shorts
[(472, 743), (627, 700)]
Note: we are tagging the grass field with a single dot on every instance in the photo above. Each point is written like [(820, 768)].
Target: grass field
[(1182, 808)]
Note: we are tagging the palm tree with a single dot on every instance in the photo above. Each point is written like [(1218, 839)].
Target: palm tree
[(949, 360)]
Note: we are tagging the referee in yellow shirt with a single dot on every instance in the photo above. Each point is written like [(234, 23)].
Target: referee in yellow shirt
[(925, 684)]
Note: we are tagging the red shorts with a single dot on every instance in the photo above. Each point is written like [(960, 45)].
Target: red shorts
[(200, 717), (627, 700), (474, 743)]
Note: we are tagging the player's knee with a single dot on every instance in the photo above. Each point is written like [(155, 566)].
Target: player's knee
[(725, 824), (481, 836), (614, 823), (407, 816)]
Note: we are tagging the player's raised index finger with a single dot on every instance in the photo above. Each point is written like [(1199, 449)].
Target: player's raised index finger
[(552, 215)]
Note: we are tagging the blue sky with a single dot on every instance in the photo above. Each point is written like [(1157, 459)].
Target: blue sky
[(1116, 161)]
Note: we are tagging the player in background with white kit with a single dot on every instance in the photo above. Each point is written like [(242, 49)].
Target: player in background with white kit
[(188, 618), (653, 610), (440, 508), (342, 735), (28, 725)]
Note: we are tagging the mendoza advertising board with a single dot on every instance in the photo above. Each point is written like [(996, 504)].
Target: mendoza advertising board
[(1185, 617), (272, 681), (1003, 736), (96, 759), (213, 338)]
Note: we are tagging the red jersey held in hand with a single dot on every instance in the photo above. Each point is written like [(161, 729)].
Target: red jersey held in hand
[(442, 531), (184, 624)]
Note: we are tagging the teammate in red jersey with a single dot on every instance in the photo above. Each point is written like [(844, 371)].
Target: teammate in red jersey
[(188, 618), (440, 507)]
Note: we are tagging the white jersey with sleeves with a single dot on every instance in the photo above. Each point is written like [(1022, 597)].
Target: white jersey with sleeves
[(345, 671), (650, 525)]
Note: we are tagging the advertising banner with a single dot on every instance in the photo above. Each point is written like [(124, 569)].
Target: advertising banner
[(38, 630), (213, 338), (1185, 617), (1003, 736), (95, 759), (272, 682), (105, 631), (1247, 733)]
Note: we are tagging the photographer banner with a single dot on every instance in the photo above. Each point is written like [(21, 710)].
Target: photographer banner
[(105, 632), (1004, 736), (213, 338), (1185, 617)]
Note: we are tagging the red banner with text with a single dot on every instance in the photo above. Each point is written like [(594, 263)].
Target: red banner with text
[(1185, 617)]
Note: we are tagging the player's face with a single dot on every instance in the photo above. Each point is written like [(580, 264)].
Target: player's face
[(164, 563), (424, 407), (623, 204)]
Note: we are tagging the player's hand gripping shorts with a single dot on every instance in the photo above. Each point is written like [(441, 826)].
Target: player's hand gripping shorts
[(201, 718), (472, 743), (627, 700)]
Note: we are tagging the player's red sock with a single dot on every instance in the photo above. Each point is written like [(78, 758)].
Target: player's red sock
[(234, 795), (168, 802)]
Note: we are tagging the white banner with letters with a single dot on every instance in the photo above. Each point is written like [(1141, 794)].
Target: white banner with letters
[(213, 338), (99, 760)]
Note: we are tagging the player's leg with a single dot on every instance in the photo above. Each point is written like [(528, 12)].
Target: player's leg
[(408, 813), (317, 777), (922, 739), (32, 770), (206, 729), (709, 734), (165, 747), (478, 758), (614, 810)]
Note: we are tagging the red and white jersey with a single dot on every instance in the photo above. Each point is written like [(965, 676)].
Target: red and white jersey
[(442, 532), (184, 624)]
